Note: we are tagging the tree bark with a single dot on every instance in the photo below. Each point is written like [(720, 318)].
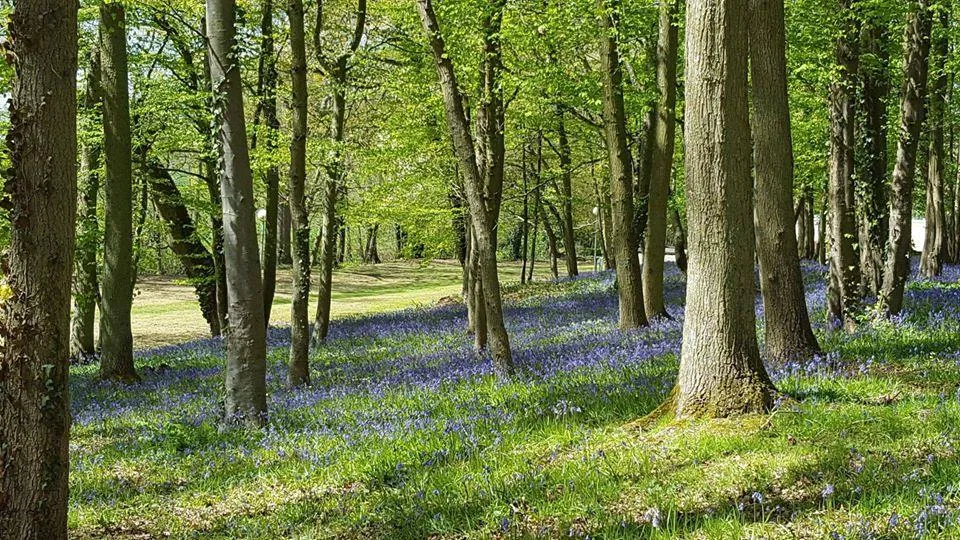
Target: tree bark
[(116, 337), (480, 215), (41, 202), (246, 398), (86, 287), (625, 245), (285, 234), (566, 194), (934, 245), (788, 334), (843, 293), (873, 200), (268, 102), (720, 369), (299, 370), (655, 240), (916, 51)]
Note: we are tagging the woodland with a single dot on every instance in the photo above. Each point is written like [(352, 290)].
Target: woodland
[(480, 269)]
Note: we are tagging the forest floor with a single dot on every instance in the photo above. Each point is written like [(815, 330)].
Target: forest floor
[(406, 433), (165, 308)]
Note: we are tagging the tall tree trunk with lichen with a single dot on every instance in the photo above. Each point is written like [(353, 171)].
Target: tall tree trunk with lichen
[(916, 50), (299, 372), (788, 333), (720, 369), (246, 397), (116, 335), (86, 287), (655, 239), (40, 202), (935, 243), (625, 245)]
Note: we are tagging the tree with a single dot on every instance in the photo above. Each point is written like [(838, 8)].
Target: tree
[(720, 369), (916, 54), (246, 399), (788, 331), (40, 201), (86, 286), (268, 106), (843, 293), (654, 244), (625, 244), (481, 222), (299, 372), (338, 69), (935, 242), (116, 337)]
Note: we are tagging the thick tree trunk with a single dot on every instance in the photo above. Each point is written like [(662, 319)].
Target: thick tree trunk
[(874, 184), (655, 240), (481, 222), (86, 286), (268, 102), (41, 202), (299, 370), (788, 333), (116, 337), (916, 50), (186, 245), (720, 369), (246, 398), (625, 245), (934, 246), (843, 296)]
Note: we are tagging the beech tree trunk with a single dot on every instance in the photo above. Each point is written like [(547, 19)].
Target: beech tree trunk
[(480, 215), (566, 195), (285, 234), (874, 184), (86, 286), (843, 294), (116, 337), (655, 240), (299, 371), (916, 50), (268, 102), (246, 398), (41, 190), (720, 369), (788, 334), (551, 241), (934, 246), (625, 245)]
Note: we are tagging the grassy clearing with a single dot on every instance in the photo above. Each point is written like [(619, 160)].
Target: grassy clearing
[(407, 434)]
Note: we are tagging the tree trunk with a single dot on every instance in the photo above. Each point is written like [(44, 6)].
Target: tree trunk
[(285, 234), (916, 51), (86, 288), (551, 242), (679, 240), (268, 102), (246, 398), (872, 202), (934, 246), (788, 334), (655, 240), (116, 338), (566, 194), (621, 176), (641, 190), (41, 201), (480, 215), (720, 369), (299, 370), (843, 294), (328, 224)]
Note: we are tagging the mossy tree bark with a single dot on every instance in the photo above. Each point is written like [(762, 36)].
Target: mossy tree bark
[(916, 50), (116, 336), (624, 238), (720, 369), (788, 331), (246, 397), (41, 202)]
